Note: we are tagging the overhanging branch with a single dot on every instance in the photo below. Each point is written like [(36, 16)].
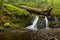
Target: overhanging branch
[(33, 10)]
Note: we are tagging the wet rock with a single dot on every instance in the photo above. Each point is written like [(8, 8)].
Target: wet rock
[(41, 22), (25, 34)]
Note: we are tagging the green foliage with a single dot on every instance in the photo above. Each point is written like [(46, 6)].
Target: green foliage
[(16, 10), (6, 24), (56, 10), (18, 17)]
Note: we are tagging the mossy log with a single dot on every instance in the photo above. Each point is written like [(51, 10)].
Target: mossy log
[(25, 34), (34, 10)]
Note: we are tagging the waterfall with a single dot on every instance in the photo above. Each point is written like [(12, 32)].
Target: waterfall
[(56, 19), (34, 24), (47, 23)]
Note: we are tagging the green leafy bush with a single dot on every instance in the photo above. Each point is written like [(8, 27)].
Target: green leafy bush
[(16, 17), (16, 10)]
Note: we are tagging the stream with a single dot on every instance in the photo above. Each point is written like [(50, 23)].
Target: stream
[(34, 23), (47, 23)]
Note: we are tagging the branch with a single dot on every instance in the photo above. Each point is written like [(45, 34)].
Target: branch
[(33, 10)]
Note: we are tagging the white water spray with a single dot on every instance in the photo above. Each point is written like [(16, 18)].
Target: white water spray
[(47, 23), (34, 24), (56, 19)]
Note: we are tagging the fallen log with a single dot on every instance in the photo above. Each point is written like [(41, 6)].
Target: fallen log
[(24, 34), (33, 10)]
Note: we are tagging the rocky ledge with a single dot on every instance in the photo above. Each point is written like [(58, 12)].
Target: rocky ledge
[(25, 34)]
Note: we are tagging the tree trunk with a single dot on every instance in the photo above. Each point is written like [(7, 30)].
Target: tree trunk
[(33, 10)]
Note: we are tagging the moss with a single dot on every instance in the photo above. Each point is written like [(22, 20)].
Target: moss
[(16, 17)]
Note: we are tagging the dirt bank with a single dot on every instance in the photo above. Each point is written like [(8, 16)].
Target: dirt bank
[(24, 34)]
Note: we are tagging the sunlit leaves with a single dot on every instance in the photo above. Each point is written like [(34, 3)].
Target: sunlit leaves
[(19, 17), (6, 24), (16, 10)]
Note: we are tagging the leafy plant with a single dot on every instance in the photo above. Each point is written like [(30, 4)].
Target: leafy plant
[(18, 17)]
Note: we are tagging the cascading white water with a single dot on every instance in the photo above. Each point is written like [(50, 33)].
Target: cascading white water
[(47, 23), (56, 19), (34, 24)]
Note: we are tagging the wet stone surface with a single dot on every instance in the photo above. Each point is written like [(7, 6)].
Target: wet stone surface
[(25, 34), (54, 22)]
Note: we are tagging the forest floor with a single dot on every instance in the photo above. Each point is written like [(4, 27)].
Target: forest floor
[(25, 34)]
